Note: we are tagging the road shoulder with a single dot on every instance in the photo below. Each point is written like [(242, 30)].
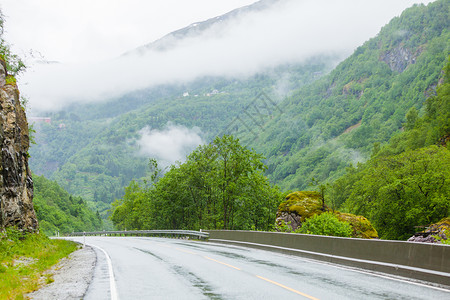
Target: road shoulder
[(72, 276)]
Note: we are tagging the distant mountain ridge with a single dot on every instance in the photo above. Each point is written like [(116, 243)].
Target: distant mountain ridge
[(170, 40)]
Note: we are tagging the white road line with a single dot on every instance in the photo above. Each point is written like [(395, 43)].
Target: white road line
[(112, 282)]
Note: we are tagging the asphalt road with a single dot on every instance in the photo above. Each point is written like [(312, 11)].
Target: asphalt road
[(159, 268)]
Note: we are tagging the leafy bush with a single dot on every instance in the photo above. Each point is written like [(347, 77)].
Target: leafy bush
[(326, 224)]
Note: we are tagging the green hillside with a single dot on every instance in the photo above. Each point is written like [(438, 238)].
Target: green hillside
[(58, 211), (406, 183)]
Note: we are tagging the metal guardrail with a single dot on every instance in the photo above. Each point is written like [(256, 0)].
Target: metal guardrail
[(172, 233)]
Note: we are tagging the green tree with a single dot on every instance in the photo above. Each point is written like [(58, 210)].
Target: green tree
[(220, 186), (411, 118)]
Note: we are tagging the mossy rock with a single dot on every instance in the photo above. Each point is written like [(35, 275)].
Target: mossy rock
[(362, 228), (442, 224), (305, 204), (435, 233), (440, 228)]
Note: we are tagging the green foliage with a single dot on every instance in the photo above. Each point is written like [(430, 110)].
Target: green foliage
[(23, 259), (307, 204), (220, 186), (402, 191), (282, 226), (326, 224), (14, 65), (442, 240), (361, 227), (57, 210), (406, 182)]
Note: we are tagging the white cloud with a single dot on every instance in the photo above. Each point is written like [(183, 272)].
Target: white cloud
[(170, 144), (86, 30), (293, 31)]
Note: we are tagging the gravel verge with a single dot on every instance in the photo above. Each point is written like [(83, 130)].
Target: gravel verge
[(72, 276)]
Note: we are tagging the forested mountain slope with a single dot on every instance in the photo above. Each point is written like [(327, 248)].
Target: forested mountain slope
[(406, 183), (92, 151), (335, 121), (328, 123)]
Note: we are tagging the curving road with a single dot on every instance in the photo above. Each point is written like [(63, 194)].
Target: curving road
[(159, 268)]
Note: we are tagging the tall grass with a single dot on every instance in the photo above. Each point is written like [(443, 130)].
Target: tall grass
[(23, 260)]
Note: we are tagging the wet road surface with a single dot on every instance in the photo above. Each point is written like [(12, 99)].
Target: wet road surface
[(160, 268)]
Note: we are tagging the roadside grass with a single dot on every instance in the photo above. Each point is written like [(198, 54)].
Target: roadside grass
[(23, 260)]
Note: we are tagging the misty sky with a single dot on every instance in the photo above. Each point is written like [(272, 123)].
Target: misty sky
[(89, 30), (88, 37)]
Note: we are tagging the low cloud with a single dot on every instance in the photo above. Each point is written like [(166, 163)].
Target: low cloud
[(170, 144), (292, 31)]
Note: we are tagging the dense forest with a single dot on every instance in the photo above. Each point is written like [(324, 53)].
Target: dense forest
[(58, 211), (326, 123)]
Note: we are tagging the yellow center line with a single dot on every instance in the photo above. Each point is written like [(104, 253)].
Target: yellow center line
[(186, 251), (260, 277), (288, 288), (225, 264)]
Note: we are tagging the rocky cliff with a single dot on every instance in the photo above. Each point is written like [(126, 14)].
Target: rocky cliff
[(16, 184)]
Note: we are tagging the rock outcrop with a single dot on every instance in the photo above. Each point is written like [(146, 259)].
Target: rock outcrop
[(16, 184), (302, 205), (399, 58), (435, 233), (297, 207)]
